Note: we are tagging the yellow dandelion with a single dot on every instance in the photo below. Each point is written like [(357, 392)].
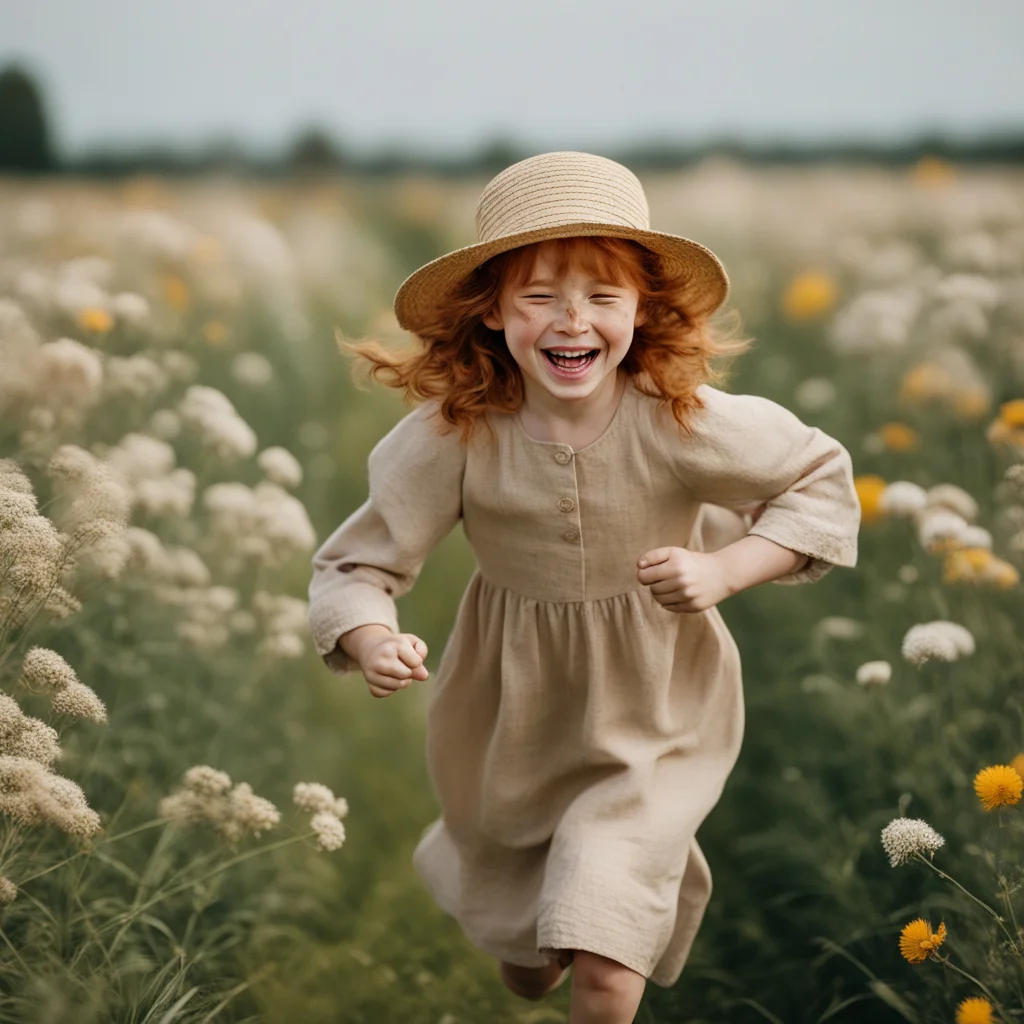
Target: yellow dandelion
[(1017, 764), (176, 292), (869, 493), (967, 564), (917, 940), (998, 785), (215, 332), (1001, 574), (924, 382), (972, 403), (974, 1010), (94, 319), (999, 432), (809, 295), (933, 172), (898, 437)]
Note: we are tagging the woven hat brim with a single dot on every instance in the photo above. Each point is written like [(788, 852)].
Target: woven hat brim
[(424, 292)]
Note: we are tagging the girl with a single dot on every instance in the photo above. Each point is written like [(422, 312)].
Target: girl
[(587, 708)]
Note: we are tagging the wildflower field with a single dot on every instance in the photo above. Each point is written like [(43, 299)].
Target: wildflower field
[(199, 822)]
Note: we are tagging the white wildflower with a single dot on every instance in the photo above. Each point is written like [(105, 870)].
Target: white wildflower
[(903, 498), (938, 527), (248, 814), (936, 641), (280, 466), (281, 646), (874, 673), (902, 838), (8, 891), (815, 394), (70, 374), (171, 496), (79, 701), (252, 368), (165, 424), (206, 781), (975, 537), (313, 797), (329, 829), (44, 669), (954, 498), (839, 627), (136, 376), (220, 427), (130, 307)]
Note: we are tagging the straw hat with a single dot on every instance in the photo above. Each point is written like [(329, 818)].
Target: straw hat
[(558, 195)]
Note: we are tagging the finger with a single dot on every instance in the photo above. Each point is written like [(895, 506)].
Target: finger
[(665, 588), (407, 655), (653, 557)]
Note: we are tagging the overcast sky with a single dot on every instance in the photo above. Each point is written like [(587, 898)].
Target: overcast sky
[(447, 74)]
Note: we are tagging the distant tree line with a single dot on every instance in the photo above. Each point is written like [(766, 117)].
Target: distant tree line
[(26, 148)]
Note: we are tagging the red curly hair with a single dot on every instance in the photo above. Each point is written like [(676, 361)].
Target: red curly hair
[(469, 367)]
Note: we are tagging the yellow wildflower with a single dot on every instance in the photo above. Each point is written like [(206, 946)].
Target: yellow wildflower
[(176, 292), (869, 493), (967, 564), (974, 1010), (809, 295), (998, 785), (1017, 764), (1001, 574), (971, 403), (925, 381), (214, 332), (917, 940), (933, 172), (1012, 413), (898, 437), (94, 319)]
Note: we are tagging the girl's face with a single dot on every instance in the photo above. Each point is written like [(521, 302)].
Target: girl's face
[(567, 329)]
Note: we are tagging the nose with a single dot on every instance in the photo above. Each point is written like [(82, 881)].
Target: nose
[(571, 322)]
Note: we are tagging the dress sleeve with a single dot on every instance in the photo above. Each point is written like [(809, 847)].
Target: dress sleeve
[(747, 451), (375, 555)]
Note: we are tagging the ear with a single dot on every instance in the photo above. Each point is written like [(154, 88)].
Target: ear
[(493, 319), (641, 316)]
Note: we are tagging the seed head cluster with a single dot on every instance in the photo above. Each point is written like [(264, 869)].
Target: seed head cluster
[(207, 795), (902, 838)]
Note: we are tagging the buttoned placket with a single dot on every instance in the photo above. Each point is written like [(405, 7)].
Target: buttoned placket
[(567, 504)]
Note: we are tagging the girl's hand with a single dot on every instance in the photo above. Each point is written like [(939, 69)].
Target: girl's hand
[(393, 662), (681, 580)]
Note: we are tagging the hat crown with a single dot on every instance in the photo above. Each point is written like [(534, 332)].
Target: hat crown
[(561, 188)]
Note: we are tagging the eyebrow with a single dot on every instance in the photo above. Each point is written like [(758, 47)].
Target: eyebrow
[(547, 281)]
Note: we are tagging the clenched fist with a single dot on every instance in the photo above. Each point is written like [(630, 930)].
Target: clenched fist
[(389, 661), (681, 580)]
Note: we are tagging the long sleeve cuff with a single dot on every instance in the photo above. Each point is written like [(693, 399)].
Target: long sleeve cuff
[(357, 604), (825, 545)]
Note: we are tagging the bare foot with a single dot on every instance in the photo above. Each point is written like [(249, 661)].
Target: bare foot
[(535, 982)]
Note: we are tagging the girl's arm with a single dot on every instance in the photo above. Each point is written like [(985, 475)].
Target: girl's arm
[(376, 554), (746, 450)]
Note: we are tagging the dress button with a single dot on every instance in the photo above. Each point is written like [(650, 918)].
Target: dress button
[(566, 504), (562, 457), (571, 535)]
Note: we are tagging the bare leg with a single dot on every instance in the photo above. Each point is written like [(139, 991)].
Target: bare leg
[(603, 990), (534, 982)]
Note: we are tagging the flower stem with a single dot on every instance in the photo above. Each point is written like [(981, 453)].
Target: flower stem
[(946, 962), (981, 903)]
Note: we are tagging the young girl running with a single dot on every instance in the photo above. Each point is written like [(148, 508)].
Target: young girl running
[(587, 708)]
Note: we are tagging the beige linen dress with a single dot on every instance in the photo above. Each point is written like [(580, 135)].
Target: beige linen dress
[(578, 733)]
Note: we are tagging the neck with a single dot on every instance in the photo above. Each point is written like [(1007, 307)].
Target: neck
[(541, 406)]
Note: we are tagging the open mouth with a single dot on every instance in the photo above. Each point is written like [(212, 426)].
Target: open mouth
[(574, 363)]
